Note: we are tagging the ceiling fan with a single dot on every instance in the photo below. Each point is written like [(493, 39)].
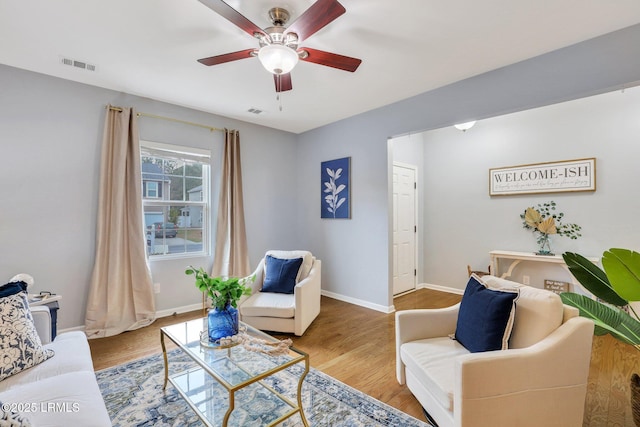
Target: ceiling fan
[(279, 48)]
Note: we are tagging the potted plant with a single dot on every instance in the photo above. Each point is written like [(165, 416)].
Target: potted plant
[(616, 287), (224, 292)]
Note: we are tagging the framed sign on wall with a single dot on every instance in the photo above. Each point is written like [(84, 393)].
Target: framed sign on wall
[(550, 177)]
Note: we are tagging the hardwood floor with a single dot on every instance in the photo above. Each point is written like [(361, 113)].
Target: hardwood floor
[(352, 344), (356, 346)]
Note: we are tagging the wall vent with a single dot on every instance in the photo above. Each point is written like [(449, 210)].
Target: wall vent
[(77, 64), (255, 111)]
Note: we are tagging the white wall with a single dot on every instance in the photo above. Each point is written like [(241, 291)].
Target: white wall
[(463, 223), (50, 138)]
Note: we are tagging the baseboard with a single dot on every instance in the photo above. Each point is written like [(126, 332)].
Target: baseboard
[(350, 300), (178, 310), (159, 314), (361, 303), (441, 288), (391, 308), (339, 297)]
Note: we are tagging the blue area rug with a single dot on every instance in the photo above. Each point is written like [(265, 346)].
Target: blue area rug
[(134, 397)]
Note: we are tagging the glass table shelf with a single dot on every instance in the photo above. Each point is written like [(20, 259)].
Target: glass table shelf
[(229, 378)]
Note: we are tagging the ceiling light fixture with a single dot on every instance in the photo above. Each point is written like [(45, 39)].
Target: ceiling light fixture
[(465, 126), (277, 58)]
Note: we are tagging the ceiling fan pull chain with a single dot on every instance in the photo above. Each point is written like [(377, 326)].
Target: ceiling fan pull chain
[(279, 77)]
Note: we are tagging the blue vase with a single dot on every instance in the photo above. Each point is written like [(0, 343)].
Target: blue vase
[(222, 323)]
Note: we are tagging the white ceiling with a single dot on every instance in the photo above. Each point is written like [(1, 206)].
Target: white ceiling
[(149, 48)]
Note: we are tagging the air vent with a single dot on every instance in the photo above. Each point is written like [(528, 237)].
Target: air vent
[(255, 111), (77, 64)]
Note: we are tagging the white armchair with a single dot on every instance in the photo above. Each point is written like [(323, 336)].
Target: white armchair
[(283, 312), (541, 380)]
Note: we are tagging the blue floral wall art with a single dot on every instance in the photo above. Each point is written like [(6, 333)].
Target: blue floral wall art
[(335, 188)]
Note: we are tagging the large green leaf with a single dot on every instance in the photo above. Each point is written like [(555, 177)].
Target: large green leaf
[(599, 331), (615, 321), (592, 278), (630, 327), (623, 270)]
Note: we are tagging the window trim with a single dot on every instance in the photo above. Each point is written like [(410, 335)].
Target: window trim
[(189, 154), (147, 190)]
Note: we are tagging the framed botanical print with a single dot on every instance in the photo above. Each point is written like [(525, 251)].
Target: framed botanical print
[(335, 192)]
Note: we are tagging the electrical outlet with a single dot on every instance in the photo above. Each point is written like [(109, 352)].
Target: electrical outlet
[(156, 288), (525, 280)]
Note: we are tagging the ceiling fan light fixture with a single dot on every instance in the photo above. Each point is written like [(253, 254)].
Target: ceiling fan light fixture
[(277, 58)]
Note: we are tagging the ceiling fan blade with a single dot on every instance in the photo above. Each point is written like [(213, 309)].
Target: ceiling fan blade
[(315, 18), (227, 57), (329, 59), (283, 82), (226, 11)]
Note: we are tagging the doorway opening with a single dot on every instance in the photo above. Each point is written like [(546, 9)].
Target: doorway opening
[(405, 228)]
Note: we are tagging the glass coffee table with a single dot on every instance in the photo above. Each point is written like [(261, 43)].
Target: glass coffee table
[(226, 375)]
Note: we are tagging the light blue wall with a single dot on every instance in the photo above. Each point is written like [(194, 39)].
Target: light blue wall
[(50, 139), (356, 252), (50, 133)]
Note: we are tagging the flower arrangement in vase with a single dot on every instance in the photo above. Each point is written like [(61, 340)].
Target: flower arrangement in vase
[(224, 292), (544, 220)]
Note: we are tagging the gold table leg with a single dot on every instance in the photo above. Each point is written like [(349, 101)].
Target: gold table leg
[(232, 404), (300, 381), (166, 361)]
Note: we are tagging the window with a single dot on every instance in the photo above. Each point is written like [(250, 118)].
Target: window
[(150, 189), (175, 199)]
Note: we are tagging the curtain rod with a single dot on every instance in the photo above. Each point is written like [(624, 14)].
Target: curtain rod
[(171, 119)]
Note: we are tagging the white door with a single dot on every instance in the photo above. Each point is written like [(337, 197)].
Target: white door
[(404, 228)]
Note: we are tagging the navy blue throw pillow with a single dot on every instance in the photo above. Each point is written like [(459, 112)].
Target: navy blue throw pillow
[(12, 288), (281, 274), (485, 318)]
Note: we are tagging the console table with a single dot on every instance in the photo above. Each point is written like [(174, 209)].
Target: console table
[(516, 258)]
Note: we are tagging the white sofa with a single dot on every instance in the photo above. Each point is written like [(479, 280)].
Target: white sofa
[(541, 380), (61, 391), (292, 313)]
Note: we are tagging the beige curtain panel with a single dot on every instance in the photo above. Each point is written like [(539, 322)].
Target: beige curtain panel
[(121, 296), (231, 254)]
